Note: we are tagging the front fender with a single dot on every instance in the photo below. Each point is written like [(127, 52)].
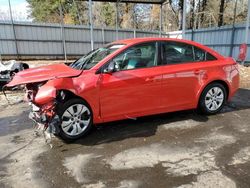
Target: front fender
[(45, 94), (85, 87)]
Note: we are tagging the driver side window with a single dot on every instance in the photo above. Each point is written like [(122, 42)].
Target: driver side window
[(139, 56)]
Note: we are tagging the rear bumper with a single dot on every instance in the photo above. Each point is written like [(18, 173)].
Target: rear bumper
[(235, 82)]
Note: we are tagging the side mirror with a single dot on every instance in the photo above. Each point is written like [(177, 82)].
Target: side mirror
[(112, 67)]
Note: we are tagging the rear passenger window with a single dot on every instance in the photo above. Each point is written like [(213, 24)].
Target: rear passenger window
[(177, 52), (210, 57), (201, 55)]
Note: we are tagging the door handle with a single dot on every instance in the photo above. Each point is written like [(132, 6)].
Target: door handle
[(153, 79), (150, 79)]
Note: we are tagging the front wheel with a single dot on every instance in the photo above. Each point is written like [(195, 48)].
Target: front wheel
[(212, 98), (76, 119)]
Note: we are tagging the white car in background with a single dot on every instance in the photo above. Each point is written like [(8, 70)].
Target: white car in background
[(9, 68)]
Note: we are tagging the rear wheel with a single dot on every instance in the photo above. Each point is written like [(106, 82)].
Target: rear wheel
[(213, 98), (76, 119)]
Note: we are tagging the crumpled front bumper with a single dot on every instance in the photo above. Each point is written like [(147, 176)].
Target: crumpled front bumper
[(44, 116)]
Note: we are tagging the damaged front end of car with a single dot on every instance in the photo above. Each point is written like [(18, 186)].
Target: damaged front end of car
[(43, 103), (43, 95)]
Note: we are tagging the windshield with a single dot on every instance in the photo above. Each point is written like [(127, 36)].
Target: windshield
[(92, 58)]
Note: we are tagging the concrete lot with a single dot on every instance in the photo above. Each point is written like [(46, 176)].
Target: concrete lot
[(181, 149)]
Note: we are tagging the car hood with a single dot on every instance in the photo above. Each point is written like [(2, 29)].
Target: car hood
[(43, 73)]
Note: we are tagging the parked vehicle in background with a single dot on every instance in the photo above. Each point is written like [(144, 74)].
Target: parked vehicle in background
[(128, 79), (9, 68)]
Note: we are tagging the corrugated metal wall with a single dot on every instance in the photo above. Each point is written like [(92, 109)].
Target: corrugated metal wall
[(46, 41), (220, 39), (32, 40)]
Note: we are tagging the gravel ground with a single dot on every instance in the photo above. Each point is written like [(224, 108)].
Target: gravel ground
[(181, 149), (245, 77)]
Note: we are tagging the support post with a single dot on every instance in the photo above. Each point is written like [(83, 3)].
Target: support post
[(233, 30), (117, 20), (91, 25), (103, 36), (160, 21), (247, 26), (134, 33), (192, 34), (134, 23), (63, 34), (184, 18), (14, 31)]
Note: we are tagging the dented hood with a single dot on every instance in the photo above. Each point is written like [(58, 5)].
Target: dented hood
[(43, 73)]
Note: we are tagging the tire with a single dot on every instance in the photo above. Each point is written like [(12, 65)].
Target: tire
[(213, 98), (76, 119)]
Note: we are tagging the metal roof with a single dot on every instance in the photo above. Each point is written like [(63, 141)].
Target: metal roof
[(135, 1)]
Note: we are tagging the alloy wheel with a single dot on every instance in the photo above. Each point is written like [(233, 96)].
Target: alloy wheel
[(75, 119), (214, 98)]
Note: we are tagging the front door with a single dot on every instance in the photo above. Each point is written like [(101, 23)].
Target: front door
[(135, 88)]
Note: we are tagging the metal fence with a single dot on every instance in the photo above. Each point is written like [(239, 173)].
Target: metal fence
[(225, 40), (52, 41), (32, 40)]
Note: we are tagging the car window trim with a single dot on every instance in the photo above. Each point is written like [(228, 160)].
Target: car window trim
[(188, 62)]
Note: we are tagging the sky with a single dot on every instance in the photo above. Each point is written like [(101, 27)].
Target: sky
[(20, 10)]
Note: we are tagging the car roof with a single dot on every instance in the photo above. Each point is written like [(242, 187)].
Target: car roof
[(133, 41), (150, 39)]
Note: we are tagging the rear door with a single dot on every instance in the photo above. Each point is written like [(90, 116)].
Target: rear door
[(185, 69), (135, 88)]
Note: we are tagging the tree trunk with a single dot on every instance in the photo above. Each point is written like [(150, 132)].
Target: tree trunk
[(180, 4), (191, 24), (204, 4), (197, 17), (220, 21)]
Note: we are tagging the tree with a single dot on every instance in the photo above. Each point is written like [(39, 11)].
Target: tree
[(192, 9), (127, 17), (79, 12), (108, 14), (49, 11), (180, 12), (221, 11), (204, 6), (142, 16), (201, 13), (46, 10), (155, 17)]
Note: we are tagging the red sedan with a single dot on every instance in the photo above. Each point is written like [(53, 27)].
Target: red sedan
[(128, 79)]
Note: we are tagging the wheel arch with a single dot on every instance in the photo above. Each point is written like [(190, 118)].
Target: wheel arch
[(69, 95), (222, 82)]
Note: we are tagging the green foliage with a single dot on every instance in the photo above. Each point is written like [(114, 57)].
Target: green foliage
[(108, 14), (200, 13), (46, 10)]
